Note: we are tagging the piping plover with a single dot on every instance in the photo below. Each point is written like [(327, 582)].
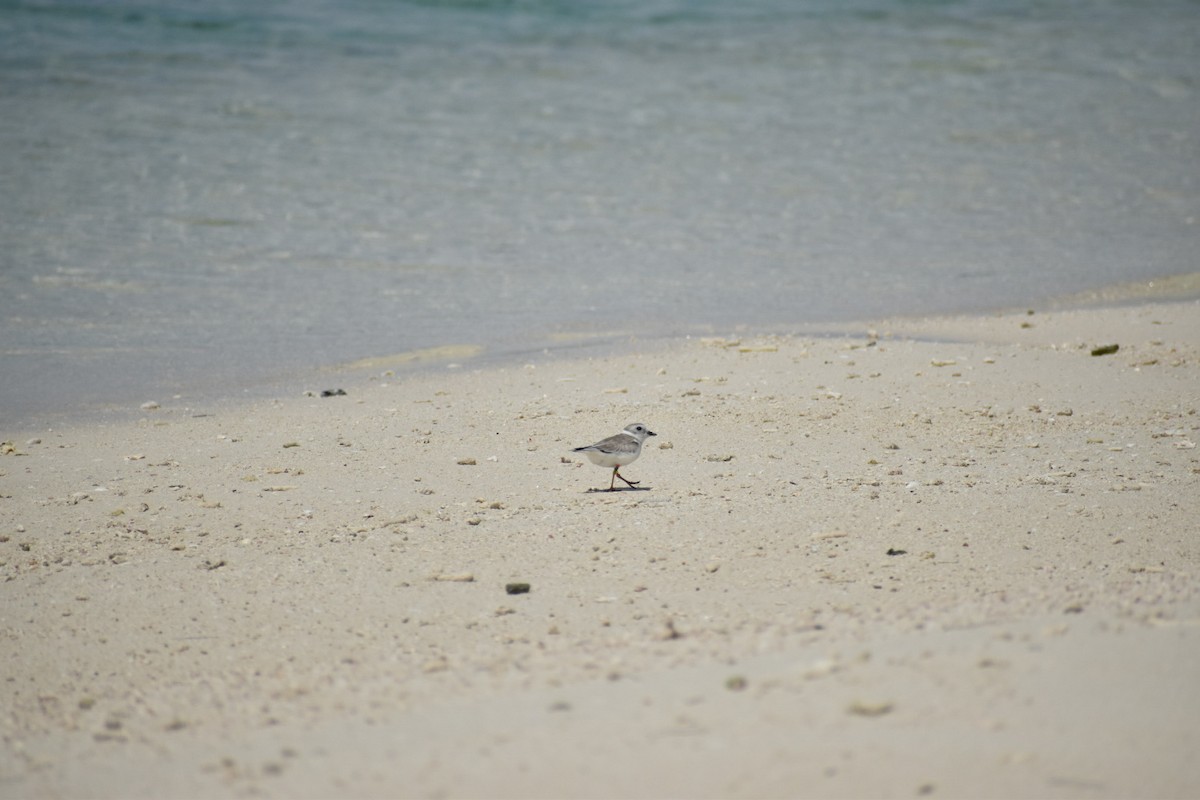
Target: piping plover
[(617, 451)]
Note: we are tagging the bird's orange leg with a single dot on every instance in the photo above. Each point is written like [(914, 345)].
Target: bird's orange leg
[(630, 484)]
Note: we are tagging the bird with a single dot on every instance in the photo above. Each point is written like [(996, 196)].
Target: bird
[(618, 450)]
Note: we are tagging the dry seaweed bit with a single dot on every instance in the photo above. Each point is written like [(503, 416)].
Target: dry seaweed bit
[(1105, 350), (333, 393), (892, 551), (516, 588), (455, 577)]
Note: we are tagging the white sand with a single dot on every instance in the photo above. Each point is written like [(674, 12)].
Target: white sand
[(956, 560)]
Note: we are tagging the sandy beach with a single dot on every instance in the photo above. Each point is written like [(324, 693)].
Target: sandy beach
[(949, 557)]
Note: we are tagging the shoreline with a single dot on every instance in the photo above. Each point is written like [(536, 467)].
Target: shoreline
[(552, 345), (942, 556)]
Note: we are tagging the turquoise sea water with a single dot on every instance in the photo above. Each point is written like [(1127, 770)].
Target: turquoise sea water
[(205, 197)]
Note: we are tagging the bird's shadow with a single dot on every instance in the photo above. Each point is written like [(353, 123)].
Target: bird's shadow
[(616, 489)]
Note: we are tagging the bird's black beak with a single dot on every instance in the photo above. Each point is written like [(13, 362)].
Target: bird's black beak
[(651, 433)]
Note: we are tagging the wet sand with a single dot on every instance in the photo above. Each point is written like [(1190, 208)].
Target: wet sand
[(949, 557)]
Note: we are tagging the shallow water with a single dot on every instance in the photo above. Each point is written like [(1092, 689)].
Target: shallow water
[(204, 198)]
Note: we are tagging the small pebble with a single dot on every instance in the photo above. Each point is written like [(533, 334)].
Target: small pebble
[(669, 632), (862, 709)]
